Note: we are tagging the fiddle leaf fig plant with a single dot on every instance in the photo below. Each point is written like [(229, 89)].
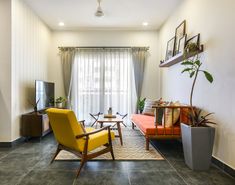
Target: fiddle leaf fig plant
[(192, 66)]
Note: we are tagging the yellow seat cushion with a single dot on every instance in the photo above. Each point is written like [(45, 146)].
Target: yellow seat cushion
[(95, 140)]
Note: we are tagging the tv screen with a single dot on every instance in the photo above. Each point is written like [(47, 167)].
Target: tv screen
[(45, 94)]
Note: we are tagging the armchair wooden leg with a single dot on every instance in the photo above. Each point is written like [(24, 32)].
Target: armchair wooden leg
[(111, 151), (83, 160), (56, 153), (110, 144), (84, 157)]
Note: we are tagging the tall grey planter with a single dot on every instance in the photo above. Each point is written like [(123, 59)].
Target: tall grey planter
[(198, 145)]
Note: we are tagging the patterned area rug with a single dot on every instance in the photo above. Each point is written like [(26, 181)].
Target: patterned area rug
[(133, 149)]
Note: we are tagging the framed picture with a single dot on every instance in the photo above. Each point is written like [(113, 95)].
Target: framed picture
[(179, 33), (170, 49), (193, 44), (195, 39), (182, 44)]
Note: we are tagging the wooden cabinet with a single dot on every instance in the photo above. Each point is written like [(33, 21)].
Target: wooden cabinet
[(35, 125)]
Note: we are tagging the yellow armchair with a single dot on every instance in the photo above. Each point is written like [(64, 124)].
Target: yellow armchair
[(73, 137)]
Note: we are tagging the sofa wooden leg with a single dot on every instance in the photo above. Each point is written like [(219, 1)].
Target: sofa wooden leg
[(147, 143), (133, 125)]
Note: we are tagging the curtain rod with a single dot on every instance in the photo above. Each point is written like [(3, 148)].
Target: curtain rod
[(105, 47)]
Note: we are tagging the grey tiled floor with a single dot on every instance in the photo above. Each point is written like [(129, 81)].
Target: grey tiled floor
[(28, 164)]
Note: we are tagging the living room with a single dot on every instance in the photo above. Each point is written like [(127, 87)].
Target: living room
[(34, 35)]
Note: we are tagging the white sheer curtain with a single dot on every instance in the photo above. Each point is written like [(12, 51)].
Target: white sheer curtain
[(103, 78)]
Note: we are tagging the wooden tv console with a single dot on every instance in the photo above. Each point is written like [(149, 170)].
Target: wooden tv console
[(35, 124)]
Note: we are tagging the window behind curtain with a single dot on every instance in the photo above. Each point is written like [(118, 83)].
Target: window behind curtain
[(103, 78)]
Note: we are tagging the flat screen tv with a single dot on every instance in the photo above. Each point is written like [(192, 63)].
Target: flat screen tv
[(44, 94)]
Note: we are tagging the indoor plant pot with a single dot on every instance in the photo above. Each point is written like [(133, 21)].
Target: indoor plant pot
[(59, 105), (197, 145), (197, 137), (60, 102)]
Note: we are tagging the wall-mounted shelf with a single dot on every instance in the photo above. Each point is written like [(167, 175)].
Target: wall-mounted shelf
[(180, 57)]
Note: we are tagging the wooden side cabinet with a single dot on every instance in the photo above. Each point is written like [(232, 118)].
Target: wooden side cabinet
[(35, 125)]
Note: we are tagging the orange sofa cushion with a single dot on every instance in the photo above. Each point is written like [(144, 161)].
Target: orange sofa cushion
[(147, 126)]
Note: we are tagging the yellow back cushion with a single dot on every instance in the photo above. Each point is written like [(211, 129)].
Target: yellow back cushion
[(65, 126)]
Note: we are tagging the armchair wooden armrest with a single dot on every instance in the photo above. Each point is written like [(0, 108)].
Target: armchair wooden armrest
[(82, 122), (93, 132)]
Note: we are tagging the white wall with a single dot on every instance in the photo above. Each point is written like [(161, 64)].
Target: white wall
[(108, 38), (30, 54), (5, 70), (214, 19)]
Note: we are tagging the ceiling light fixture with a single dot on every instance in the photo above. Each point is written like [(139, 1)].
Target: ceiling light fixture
[(61, 24), (99, 12), (145, 23)]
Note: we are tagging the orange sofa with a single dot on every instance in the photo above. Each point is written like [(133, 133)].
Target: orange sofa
[(153, 130)]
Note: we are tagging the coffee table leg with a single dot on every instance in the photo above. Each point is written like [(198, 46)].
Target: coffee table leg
[(101, 124), (119, 132)]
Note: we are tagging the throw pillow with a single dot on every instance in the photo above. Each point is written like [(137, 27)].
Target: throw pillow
[(148, 104), (167, 120)]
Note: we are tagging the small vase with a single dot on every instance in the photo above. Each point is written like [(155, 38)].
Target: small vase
[(110, 111)]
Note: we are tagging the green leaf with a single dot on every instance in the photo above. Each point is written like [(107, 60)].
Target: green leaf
[(187, 63), (187, 69), (208, 76), (198, 62), (191, 74)]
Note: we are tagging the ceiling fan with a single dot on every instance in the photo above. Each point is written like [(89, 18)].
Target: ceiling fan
[(99, 12)]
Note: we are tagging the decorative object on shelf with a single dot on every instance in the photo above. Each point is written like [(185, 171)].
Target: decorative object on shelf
[(170, 48), (35, 105), (182, 44), (60, 102), (179, 33), (52, 102), (197, 137), (193, 44), (140, 105)]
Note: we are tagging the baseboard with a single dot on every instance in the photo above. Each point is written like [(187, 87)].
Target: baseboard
[(13, 143), (223, 166)]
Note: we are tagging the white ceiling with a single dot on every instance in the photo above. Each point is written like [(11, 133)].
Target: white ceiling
[(119, 14)]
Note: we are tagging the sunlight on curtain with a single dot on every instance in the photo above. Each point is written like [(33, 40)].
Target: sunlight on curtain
[(103, 78)]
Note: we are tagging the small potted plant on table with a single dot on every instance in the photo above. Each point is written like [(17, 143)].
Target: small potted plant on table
[(60, 102), (197, 137)]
